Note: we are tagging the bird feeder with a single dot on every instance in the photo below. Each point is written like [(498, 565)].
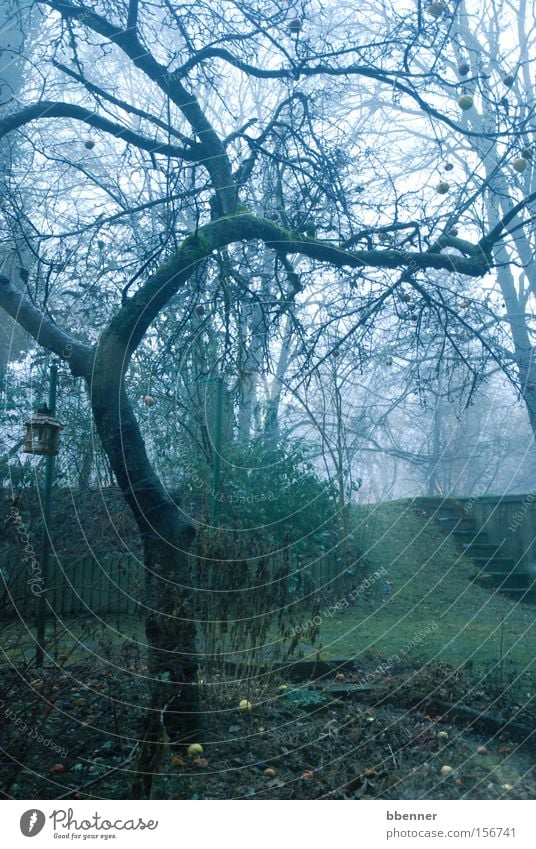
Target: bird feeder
[(42, 433)]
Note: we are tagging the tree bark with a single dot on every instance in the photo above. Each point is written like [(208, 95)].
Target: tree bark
[(499, 201), (167, 536)]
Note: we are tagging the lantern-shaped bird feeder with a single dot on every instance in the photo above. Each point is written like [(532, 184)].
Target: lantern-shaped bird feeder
[(42, 433)]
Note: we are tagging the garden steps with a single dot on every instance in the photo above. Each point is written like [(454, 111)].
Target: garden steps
[(493, 570), (499, 565), (472, 537), (453, 523)]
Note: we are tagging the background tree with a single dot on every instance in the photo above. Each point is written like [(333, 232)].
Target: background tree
[(147, 169)]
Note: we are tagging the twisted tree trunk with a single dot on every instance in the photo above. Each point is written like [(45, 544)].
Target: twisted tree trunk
[(167, 536)]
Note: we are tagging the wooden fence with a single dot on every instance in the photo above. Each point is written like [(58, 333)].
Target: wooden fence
[(113, 584), (75, 587)]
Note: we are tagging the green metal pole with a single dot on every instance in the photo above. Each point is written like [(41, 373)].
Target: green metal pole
[(216, 458), (50, 463)]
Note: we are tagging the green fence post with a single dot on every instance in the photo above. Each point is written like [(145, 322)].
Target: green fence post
[(50, 462)]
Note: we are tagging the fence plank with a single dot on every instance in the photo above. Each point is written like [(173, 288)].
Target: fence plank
[(117, 581), (126, 583), (108, 586), (69, 576), (94, 577)]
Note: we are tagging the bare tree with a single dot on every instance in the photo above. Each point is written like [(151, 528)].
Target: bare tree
[(144, 83)]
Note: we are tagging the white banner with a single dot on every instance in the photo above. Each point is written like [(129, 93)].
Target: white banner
[(315, 825)]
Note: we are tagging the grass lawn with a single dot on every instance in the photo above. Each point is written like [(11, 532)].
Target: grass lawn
[(432, 610), (431, 595)]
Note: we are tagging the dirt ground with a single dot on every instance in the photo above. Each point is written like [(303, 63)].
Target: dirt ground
[(414, 731)]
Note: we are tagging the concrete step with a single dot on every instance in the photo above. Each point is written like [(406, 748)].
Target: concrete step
[(504, 584), (500, 565), (456, 523), (481, 549), (471, 537)]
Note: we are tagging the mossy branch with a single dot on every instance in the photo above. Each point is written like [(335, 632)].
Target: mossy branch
[(132, 321)]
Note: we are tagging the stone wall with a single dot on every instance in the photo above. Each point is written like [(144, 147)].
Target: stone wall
[(511, 518)]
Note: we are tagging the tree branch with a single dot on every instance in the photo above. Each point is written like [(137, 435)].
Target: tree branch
[(215, 158), (132, 19), (43, 330), (122, 104), (303, 69), (132, 321), (487, 243), (53, 109)]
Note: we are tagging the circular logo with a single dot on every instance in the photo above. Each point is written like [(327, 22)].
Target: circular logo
[(31, 822)]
